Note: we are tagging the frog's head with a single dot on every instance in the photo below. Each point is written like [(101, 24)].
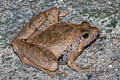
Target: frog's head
[(87, 33)]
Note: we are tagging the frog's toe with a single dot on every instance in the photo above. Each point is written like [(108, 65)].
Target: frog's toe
[(61, 72)]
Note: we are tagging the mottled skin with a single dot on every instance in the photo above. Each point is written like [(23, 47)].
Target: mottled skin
[(45, 43)]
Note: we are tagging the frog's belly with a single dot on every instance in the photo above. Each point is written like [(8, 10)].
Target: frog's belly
[(64, 51), (58, 49), (63, 59), (70, 49)]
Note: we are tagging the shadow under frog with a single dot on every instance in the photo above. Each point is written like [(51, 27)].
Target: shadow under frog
[(44, 43)]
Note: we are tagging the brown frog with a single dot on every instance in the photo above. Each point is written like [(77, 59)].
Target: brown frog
[(44, 43)]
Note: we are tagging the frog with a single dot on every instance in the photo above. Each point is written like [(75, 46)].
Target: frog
[(45, 43)]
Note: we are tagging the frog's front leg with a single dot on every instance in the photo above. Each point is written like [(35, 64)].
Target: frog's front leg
[(72, 58)]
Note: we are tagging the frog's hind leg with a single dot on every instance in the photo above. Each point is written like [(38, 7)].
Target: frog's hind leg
[(27, 61), (51, 74), (37, 56), (24, 60)]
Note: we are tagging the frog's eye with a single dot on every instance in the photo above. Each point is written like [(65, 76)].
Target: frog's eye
[(85, 35)]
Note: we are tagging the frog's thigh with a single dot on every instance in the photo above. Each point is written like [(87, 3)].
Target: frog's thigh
[(43, 58), (38, 67), (40, 56)]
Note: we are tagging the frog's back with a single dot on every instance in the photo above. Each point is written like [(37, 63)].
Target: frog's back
[(53, 35)]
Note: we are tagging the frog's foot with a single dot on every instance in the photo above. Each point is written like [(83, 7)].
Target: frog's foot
[(87, 68), (63, 14), (27, 61), (80, 69), (60, 72)]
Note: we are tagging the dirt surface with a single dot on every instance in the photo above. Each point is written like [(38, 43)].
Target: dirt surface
[(104, 53)]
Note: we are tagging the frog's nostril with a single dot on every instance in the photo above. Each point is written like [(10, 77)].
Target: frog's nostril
[(96, 30)]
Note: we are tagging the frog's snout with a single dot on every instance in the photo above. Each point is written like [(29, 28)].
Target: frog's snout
[(95, 31)]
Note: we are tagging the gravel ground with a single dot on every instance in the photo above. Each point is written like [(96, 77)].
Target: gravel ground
[(104, 54)]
